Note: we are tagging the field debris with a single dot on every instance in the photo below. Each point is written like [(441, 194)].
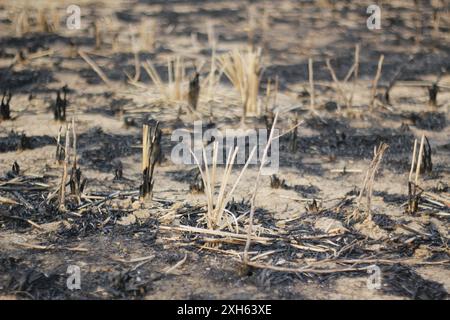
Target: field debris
[(5, 108), (151, 153)]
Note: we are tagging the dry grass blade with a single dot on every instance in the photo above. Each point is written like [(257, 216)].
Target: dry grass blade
[(338, 86), (153, 74), (176, 265), (95, 67), (421, 160), (62, 190), (355, 69), (134, 260), (413, 160), (255, 190), (50, 247), (304, 269), (225, 234), (7, 201), (375, 82)]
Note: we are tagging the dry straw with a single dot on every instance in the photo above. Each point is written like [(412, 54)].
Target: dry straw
[(243, 69), (62, 188), (255, 191), (421, 162), (375, 82), (174, 90), (367, 187), (217, 218), (341, 85)]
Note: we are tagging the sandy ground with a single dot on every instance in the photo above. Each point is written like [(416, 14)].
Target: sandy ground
[(327, 140)]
